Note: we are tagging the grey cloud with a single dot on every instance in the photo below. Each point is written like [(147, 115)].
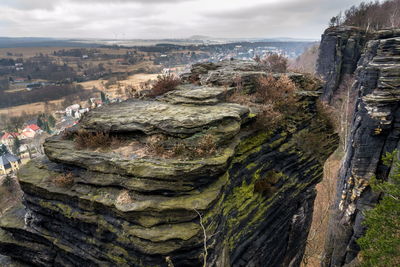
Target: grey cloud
[(174, 18), (50, 4)]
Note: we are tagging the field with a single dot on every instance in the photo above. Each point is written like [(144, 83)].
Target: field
[(40, 107), (117, 90), (33, 108)]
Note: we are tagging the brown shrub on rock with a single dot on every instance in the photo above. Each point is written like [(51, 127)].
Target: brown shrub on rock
[(164, 84), (275, 63), (64, 180), (85, 139)]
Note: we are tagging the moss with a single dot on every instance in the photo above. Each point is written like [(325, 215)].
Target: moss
[(253, 142)]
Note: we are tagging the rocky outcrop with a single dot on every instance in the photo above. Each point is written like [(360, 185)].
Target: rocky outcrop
[(339, 52), (375, 131), (247, 201)]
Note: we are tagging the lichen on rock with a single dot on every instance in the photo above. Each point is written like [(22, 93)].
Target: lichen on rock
[(253, 194)]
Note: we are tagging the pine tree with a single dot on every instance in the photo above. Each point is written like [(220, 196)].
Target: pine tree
[(52, 121), (16, 145), (380, 246)]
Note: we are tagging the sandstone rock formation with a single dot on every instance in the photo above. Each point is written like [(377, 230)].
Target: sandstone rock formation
[(246, 202), (375, 131), (340, 50)]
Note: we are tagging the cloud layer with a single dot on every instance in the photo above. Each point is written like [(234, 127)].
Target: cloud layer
[(142, 19)]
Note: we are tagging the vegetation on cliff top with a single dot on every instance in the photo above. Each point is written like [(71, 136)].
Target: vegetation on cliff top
[(372, 15), (380, 246)]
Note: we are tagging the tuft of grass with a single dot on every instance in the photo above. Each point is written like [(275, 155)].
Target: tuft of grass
[(164, 147), (89, 140)]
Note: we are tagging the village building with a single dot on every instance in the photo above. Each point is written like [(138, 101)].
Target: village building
[(9, 163), (70, 110), (30, 131), (8, 138)]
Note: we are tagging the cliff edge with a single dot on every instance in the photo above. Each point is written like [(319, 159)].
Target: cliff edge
[(185, 180)]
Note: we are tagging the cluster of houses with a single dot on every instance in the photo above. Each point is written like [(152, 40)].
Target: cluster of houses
[(8, 161), (31, 131)]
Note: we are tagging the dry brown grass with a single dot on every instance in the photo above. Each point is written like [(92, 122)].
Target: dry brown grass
[(164, 147), (64, 180), (273, 100), (99, 140), (206, 146)]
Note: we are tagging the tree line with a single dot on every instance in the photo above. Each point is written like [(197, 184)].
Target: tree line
[(372, 15), (46, 93)]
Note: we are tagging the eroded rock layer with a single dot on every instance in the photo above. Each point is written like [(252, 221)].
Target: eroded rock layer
[(246, 202), (374, 131)]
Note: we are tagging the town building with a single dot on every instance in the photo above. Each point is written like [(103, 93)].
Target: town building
[(30, 131), (9, 163), (8, 138)]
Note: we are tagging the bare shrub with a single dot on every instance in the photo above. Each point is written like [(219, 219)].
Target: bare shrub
[(84, 139), (164, 84), (342, 107), (372, 15), (273, 100), (275, 63), (306, 62), (64, 180), (206, 146), (278, 92)]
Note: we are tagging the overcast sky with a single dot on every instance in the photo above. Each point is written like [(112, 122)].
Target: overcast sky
[(152, 19)]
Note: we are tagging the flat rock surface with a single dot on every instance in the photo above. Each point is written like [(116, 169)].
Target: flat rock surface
[(151, 117)]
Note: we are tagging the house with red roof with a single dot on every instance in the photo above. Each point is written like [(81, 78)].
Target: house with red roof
[(30, 131), (8, 138)]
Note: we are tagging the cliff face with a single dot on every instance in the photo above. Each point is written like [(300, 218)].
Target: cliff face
[(375, 131), (245, 200), (340, 50)]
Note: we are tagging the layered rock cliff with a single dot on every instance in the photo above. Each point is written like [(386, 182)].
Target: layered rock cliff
[(340, 50), (245, 198), (374, 131)]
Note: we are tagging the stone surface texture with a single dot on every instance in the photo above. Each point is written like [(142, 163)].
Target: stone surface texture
[(375, 130), (149, 211)]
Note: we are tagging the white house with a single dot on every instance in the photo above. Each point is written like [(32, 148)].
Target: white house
[(71, 110)]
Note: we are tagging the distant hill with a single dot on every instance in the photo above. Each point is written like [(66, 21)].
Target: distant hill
[(9, 42)]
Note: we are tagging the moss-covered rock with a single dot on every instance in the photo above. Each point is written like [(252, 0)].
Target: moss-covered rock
[(251, 198)]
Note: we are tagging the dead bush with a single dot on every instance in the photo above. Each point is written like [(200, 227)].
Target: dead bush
[(273, 100), (278, 98), (164, 84), (206, 146), (274, 63), (164, 147), (64, 180), (88, 140)]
